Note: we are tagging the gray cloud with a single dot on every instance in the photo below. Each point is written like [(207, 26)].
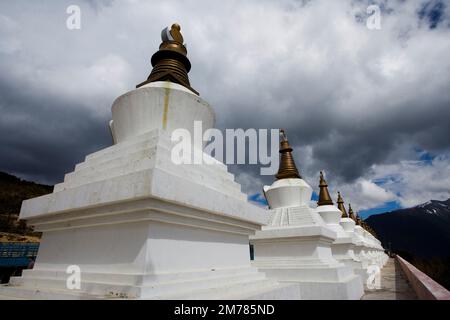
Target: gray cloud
[(349, 98), (39, 140)]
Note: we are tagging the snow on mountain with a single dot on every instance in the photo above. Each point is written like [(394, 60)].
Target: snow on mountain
[(435, 207), (423, 230)]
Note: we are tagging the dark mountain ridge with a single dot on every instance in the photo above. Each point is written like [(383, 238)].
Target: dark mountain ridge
[(13, 191), (423, 231)]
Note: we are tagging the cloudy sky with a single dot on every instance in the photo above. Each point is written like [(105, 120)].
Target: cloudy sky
[(369, 107)]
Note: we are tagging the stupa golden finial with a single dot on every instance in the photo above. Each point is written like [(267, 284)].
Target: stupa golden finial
[(324, 195), (287, 169), (351, 214), (358, 219), (170, 63), (364, 225), (374, 233), (341, 206)]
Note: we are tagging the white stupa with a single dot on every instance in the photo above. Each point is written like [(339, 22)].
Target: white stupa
[(359, 244), (136, 224), (342, 247), (366, 247), (296, 245), (374, 252)]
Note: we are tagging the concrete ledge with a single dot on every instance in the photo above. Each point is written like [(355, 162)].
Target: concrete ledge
[(424, 287)]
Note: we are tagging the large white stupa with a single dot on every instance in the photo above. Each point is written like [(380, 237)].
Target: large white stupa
[(296, 245), (135, 224), (367, 250)]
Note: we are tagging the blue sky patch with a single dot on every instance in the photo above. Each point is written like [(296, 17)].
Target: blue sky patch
[(433, 12), (258, 198), (386, 207)]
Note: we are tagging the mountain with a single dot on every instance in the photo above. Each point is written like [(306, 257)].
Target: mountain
[(13, 191), (422, 231), (420, 235)]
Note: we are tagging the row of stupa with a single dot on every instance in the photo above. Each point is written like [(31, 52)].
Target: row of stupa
[(330, 252), (128, 223)]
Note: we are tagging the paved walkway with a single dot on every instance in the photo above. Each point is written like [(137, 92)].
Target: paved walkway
[(394, 285)]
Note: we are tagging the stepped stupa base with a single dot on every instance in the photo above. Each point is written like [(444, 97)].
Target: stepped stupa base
[(318, 282), (208, 285), (348, 289), (139, 226), (302, 255)]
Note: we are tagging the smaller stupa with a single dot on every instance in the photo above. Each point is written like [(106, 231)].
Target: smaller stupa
[(335, 217), (375, 251), (351, 214), (296, 245), (368, 249)]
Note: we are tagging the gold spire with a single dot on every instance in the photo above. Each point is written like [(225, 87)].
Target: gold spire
[(351, 214), (341, 206), (287, 168), (373, 233), (358, 219), (324, 195), (364, 225), (170, 63)]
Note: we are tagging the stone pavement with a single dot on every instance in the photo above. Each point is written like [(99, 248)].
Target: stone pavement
[(394, 285)]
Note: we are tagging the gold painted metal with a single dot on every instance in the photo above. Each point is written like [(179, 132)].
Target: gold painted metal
[(341, 206), (324, 195), (170, 63), (365, 226), (369, 229), (351, 214), (287, 169), (358, 220)]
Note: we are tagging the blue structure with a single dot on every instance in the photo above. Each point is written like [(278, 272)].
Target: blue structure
[(17, 254)]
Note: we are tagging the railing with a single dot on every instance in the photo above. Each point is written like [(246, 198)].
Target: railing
[(424, 287), (17, 254)]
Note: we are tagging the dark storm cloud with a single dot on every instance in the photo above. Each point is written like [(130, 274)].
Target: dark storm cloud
[(41, 141), (347, 146), (350, 98), (432, 12), (98, 4)]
